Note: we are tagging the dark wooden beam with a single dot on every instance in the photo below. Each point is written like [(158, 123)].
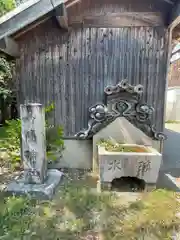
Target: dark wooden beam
[(174, 16), (125, 19), (26, 14), (61, 16), (169, 1), (9, 47), (72, 3), (176, 33), (175, 23)]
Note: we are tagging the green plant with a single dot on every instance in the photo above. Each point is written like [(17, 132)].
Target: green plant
[(6, 6), (7, 92), (12, 142), (5, 78), (173, 121), (54, 136), (15, 217), (54, 141), (48, 110), (76, 212), (6, 68), (113, 146)]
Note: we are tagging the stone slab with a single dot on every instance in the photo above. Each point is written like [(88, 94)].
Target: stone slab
[(121, 130), (143, 165), (171, 183), (77, 154), (40, 191)]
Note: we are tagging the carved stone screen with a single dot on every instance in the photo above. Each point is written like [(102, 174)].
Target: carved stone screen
[(121, 100)]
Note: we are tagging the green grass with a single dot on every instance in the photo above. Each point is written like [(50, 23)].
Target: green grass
[(113, 146), (122, 148), (173, 121), (153, 215), (77, 212), (3, 133)]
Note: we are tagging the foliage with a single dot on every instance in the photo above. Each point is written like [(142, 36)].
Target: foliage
[(77, 212), (54, 134), (113, 146), (12, 140), (48, 110), (54, 141), (173, 121), (15, 217), (109, 141), (7, 86), (5, 77), (6, 6), (5, 68), (150, 217)]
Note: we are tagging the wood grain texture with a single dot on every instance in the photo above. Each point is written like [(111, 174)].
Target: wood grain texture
[(9, 47), (72, 68), (93, 8), (120, 20)]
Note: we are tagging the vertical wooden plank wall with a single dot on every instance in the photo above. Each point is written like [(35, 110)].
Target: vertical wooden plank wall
[(72, 69)]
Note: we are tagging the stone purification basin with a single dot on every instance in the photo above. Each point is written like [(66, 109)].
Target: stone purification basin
[(128, 160)]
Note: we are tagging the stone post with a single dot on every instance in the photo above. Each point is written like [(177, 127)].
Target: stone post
[(37, 181), (33, 143)]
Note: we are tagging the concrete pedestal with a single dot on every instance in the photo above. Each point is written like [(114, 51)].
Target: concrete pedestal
[(39, 191)]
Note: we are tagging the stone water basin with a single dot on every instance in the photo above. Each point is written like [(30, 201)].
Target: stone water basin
[(129, 160)]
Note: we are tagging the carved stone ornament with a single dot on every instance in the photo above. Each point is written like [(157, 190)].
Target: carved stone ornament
[(122, 100)]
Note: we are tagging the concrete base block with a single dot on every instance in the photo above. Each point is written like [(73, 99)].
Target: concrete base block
[(39, 191), (150, 187), (107, 186), (77, 154), (171, 183)]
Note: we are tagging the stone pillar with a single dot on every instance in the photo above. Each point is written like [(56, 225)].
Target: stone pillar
[(33, 143), (37, 181)]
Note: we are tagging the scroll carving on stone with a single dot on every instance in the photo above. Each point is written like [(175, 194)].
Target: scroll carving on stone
[(122, 100), (99, 117)]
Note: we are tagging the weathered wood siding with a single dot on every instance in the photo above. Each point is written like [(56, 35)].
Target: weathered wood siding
[(90, 8), (72, 69)]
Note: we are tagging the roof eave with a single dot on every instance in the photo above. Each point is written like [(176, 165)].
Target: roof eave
[(18, 19), (25, 15)]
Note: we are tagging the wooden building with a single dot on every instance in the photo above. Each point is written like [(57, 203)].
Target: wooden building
[(173, 91), (69, 52), (174, 69), (174, 74)]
